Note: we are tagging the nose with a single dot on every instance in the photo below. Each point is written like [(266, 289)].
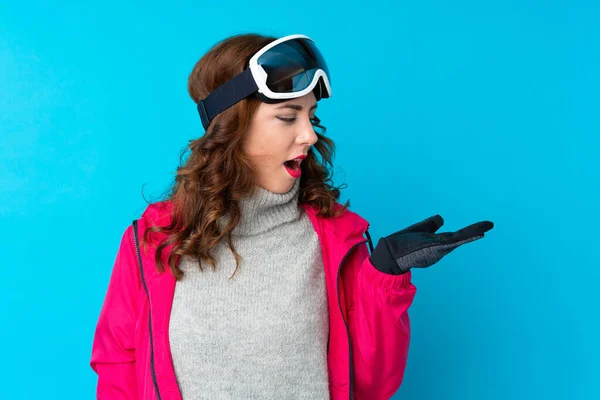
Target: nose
[(307, 135)]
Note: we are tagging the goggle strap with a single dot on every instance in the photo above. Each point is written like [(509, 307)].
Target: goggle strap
[(226, 95)]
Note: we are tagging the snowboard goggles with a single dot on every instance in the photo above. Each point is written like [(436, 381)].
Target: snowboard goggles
[(284, 69)]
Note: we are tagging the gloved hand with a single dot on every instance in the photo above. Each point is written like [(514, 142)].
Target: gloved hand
[(419, 247)]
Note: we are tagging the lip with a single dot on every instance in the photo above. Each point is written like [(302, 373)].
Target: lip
[(298, 173), (294, 174)]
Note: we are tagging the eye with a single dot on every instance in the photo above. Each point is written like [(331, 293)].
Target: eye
[(287, 120), (315, 120)]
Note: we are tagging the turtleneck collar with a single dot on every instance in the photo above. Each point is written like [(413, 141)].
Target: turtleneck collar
[(265, 210)]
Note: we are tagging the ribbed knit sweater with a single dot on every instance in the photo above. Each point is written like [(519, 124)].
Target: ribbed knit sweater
[(263, 333)]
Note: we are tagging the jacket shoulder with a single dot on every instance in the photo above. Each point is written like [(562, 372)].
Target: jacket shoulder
[(347, 223), (158, 213)]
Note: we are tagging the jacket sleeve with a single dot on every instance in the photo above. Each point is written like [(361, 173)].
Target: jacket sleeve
[(379, 327), (113, 350)]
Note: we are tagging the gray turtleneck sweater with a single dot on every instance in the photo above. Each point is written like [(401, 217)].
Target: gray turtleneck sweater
[(263, 333)]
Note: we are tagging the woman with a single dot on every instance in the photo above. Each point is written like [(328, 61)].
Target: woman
[(293, 304)]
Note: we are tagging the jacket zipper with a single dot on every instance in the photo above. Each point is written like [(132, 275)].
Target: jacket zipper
[(351, 372), (152, 370)]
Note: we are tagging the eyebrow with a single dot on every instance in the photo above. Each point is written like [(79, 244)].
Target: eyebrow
[(296, 107)]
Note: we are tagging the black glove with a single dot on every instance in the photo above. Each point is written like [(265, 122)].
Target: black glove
[(419, 247)]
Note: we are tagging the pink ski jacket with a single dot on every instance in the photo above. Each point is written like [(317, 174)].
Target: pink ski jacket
[(369, 329)]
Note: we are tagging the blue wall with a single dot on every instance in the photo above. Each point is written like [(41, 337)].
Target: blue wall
[(474, 110)]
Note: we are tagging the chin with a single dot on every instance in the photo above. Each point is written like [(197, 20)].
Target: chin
[(279, 188)]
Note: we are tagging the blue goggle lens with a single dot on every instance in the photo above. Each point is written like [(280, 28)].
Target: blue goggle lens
[(291, 65)]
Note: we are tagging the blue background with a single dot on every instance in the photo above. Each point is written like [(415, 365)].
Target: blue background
[(474, 110)]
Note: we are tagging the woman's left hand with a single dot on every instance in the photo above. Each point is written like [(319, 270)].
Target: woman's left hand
[(418, 246)]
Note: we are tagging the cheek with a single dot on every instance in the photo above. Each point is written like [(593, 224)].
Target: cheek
[(254, 143), (268, 144)]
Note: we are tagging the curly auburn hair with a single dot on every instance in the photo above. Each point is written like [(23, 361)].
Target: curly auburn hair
[(217, 174)]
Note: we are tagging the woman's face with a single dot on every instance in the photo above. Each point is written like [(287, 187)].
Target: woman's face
[(278, 133)]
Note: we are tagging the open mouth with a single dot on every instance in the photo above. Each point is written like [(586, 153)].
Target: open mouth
[(294, 165), (293, 168)]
